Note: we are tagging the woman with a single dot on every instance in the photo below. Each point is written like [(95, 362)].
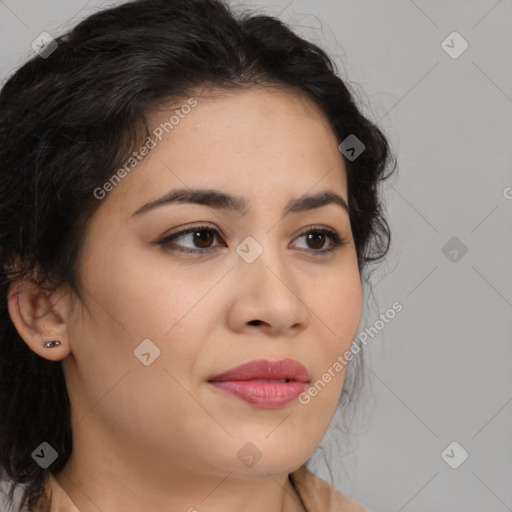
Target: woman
[(189, 200)]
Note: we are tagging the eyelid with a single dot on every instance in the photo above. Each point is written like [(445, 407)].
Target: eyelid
[(188, 229)]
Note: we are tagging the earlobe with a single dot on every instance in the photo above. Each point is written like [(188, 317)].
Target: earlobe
[(38, 320)]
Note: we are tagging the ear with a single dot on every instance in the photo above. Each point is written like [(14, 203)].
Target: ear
[(39, 316)]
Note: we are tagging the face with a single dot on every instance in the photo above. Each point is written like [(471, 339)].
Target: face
[(244, 284)]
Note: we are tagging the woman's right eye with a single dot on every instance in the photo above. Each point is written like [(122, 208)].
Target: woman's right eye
[(202, 236)]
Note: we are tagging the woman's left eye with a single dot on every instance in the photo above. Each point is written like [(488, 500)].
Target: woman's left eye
[(318, 238), (203, 237)]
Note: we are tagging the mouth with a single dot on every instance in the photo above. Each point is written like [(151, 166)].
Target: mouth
[(263, 383)]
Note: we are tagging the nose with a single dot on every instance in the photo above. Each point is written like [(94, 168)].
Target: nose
[(267, 295)]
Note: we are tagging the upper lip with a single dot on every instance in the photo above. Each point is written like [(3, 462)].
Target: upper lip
[(265, 369)]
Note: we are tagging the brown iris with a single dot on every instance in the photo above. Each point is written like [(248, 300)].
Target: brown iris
[(205, 237), (315, 238)]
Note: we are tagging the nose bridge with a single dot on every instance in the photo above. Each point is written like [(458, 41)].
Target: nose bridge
[(264, 266), (261, 254)]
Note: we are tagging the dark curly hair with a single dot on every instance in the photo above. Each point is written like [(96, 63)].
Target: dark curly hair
[(69, 120)]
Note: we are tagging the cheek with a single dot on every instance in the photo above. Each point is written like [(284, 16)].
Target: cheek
[(121, 313), (143, 297), (338, 307), (130, 302), (336, 310)]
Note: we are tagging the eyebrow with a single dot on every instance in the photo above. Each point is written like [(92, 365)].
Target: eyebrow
[(220, 200)]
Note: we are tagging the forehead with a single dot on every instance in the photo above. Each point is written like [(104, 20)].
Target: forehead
[(272, 140)]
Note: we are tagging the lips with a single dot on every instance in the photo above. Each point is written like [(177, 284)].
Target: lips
[(264, 370)]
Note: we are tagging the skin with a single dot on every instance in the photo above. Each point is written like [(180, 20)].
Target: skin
[(158, 437)]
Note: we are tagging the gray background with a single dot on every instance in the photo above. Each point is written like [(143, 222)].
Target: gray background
[(440, 371)]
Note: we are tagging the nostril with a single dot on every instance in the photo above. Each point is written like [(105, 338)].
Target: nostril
[(255, 322)]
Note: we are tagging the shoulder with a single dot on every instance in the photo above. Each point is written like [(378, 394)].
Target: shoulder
[(319, 496)]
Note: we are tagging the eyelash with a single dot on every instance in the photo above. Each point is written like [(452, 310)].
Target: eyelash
[(336, 240)]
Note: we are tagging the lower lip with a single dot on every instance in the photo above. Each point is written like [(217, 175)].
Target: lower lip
[(268, 395)]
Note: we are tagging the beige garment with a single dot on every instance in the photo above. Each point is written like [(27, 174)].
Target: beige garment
[(316, 495)]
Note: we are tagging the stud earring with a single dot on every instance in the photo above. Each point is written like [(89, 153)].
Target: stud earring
[(51, 344)]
